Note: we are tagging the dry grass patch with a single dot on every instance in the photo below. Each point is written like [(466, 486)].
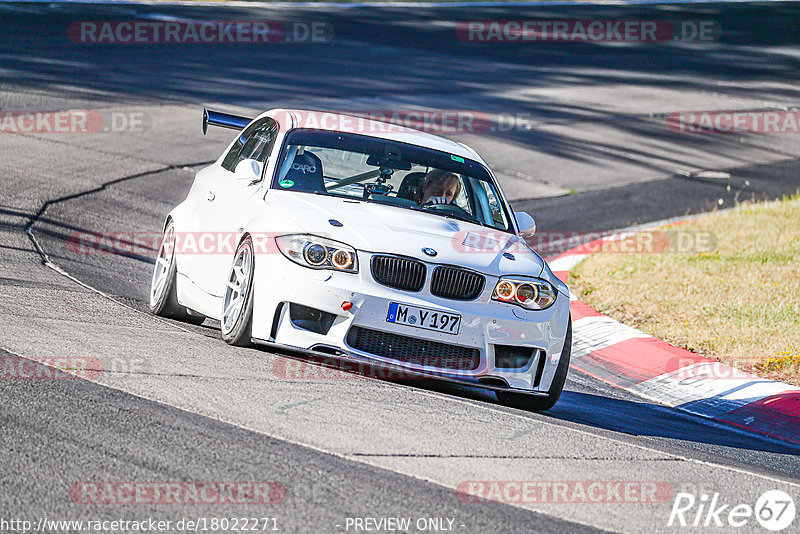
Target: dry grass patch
[(739, 304)]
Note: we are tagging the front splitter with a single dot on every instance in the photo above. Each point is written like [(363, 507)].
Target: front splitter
[(404, 372)]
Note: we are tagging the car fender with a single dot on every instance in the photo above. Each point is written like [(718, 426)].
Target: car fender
[(262, 229), (547, 274), (181, 219)]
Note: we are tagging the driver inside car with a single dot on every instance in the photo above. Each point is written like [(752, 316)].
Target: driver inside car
[(440, 187)]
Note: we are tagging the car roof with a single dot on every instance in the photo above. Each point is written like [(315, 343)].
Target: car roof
[(290, 119)]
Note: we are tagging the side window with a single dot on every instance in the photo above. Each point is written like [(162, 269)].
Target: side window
[(255, 142), (498, 217)]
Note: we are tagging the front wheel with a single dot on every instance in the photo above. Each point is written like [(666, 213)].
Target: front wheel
[(163, 293), (540, 404), (237, 304)]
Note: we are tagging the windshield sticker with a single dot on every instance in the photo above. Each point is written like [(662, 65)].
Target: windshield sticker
[(287, 183), (303, 168), (456, 158)]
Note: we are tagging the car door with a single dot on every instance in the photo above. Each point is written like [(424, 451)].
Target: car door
[(223, 211)]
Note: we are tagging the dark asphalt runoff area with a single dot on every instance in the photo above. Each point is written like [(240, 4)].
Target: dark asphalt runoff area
[(589, 149)]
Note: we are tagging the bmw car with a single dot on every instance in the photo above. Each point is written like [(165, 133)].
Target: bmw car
[(369, 242)]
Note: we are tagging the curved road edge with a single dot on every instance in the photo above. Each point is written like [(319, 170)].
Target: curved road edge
[(630, 359)]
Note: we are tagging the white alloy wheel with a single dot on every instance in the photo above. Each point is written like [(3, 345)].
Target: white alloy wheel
[(163, 290), (161, 272), (237, 303)]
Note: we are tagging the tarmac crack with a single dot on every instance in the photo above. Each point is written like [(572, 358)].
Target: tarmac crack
[(29, 228), (102, 187)]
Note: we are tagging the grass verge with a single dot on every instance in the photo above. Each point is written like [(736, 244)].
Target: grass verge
[(738, 303)]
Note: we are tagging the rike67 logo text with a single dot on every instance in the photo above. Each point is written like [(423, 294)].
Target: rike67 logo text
[(774, 510)]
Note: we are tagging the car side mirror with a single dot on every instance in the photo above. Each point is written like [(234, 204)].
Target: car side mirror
[(525, 223), (248, 169)]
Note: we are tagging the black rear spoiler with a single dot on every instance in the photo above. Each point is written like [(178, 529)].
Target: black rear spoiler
[(226, 120)]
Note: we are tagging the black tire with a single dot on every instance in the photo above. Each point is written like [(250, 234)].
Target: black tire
[(540, 404), (240, 332), (194, 318), (166, 304)]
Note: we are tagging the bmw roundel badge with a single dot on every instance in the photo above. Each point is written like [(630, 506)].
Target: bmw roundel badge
[(429, 251)]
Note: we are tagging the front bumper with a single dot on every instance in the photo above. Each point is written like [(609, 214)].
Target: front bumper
[(389, 371), (484, 323)]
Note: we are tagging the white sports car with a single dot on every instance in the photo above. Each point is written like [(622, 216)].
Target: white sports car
[(371, 243)]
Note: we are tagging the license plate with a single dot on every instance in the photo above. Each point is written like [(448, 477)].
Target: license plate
[(423, 318)]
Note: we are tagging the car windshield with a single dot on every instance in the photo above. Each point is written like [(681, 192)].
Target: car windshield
[(392, 173)]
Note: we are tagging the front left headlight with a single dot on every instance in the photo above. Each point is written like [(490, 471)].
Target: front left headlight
[(318, 252), (534, 294)]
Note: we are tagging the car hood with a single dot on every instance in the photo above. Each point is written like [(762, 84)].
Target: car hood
[(372, 227)]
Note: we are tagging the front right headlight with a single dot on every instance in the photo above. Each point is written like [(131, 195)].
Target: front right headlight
[(533, 294), (317, 252)]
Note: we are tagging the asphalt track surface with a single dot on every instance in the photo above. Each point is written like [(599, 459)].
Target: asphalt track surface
[(175, 404)]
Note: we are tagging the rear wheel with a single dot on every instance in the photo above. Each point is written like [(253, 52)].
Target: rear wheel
[(237, 304), (163, 293), (540, 404)]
